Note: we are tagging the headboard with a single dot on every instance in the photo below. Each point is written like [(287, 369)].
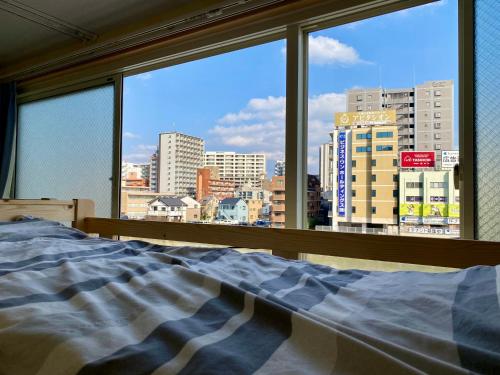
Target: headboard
[(75, 210)]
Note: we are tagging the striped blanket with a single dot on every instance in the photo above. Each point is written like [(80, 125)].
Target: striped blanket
[(73, 304)]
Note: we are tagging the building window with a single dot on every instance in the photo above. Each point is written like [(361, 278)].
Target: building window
[(359, 98), (414, 198), (437, 114), (374, 163), (414, 185), (395, 211), (438, 185), (394, 162), (359, 108), (364, 149), (439, 199), (353, 209), (353, 193), (384, 148), (385, 134), (437, 125), (437, 92), (437, 104), (353, 163), (437, 135), (394, 193), (437, 146), (374, 177), (374, 193), (364, 136), (353, 177), (374, 210), (395, 178)]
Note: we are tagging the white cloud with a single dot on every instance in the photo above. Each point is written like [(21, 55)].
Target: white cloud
[(139, 154), (144, 76), (130, 135), (260, 127), (324, 50)]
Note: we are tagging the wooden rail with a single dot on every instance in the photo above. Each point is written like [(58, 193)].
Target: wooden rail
[(290, 243)]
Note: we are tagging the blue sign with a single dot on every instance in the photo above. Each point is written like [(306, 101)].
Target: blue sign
[(342, 161)]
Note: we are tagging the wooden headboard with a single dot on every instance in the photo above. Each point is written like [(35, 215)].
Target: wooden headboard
[(75, 210)]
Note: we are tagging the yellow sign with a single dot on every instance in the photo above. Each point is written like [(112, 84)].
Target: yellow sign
[(454, 210), (410, 209), (365, 118), (436, 210)]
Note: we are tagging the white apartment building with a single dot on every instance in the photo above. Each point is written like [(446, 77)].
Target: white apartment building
[(153, 172), (180, 155), (326, 166), (279, 168), (240, 168), (142, 170)]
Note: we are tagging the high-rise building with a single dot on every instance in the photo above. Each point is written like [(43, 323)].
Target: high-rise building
[(208, 183), (180, 155), (424, 113), (279, 168), (325, 166), (240, 168), (365, 172), (429, 204), (153, 172)]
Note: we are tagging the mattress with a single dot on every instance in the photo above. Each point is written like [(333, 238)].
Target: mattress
[(72, 304)]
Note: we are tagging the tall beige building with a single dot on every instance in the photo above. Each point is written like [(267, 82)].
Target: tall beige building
[(424, 113), (179, 156), (240, 168), (325, 166)]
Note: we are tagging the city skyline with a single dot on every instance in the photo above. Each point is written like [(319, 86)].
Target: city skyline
[(205, 97)]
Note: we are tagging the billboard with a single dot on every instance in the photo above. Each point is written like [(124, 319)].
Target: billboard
[(454, 210), (410, 209), (435, 210), (449, 159), (342, 162), (365, 118), (418, 159)]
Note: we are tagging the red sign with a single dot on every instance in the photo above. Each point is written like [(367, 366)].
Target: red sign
[(417, 159)]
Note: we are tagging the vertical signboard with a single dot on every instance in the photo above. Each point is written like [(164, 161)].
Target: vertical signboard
[(342, 161)]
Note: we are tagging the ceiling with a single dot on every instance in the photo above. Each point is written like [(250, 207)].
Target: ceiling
[(37, 32)]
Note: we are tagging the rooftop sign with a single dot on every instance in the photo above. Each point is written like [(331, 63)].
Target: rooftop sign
[(365, 118)]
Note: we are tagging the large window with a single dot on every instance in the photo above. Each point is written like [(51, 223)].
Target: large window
[(206, 140), (65, 147), (383, 102)]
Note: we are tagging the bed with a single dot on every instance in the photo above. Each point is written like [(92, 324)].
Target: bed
[(75, 304)]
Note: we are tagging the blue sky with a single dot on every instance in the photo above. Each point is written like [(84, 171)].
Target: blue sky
[(235, 101)]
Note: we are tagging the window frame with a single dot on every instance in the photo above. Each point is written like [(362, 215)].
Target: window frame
[(295, 28)]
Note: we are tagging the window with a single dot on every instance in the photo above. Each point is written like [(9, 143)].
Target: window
[(374, 210), (414, 198), (384, 148), (353, 193), (437, 114), (374, 163), (414, 185), (374, 177), (394, 162), (437, 92), (439, 199), (439, 185), (353, 209), (364, 136), (363, 149), (201, 95), (437, 146), (359, 108), (437, 104), (359, 98), (385, 134), (395, 178), (353, 177), (437, 125), (353, 163), (437, 136), (395, 193), (374, 193)]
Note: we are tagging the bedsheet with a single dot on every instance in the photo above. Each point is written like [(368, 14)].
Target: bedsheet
[(72, 304)]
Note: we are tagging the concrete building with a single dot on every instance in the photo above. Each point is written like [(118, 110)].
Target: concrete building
[(132, 180), (208, 183), (326, 166), (209, 206), (434, 117), (193, 209), (153, 172), (277, 211), (134, 203), (429, 204), (180, 155), (279, 168), (137, 171), (233, 210), (247, 191), (424, 113), (171, 209), (239, 168), (254, 210), (365, 172)]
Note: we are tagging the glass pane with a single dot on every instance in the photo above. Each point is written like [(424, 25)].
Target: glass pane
[(487, 129), (65, 147), (204, 141), (383, 129)]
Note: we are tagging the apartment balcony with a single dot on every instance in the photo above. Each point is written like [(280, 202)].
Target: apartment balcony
[(278, 208)]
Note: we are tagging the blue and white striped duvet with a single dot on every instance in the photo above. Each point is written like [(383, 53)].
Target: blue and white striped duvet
[(73, 304)]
